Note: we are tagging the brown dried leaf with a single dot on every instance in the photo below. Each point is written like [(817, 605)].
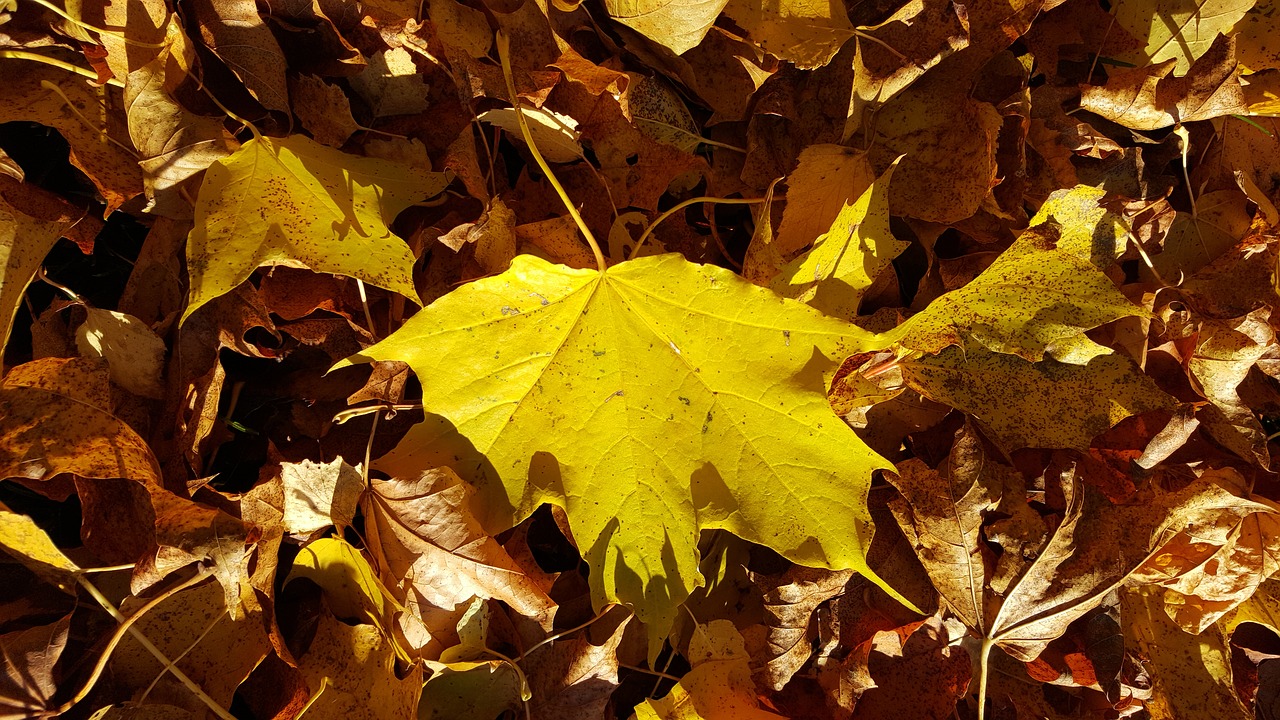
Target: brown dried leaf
[(323, 109), (28, 681), (573, 677), (1150, 98), (427, 542)]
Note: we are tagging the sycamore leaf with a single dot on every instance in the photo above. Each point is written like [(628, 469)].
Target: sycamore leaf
[(292, 201), (845, 261), (1030, 597), (718, 687), (1046, 404), (1195, 239), (355, 666), (323, 109), (678, 24), (24, 243), (1262, 608), (235, 32), (650, 401), (827, 180), (1152, 97), (1036, 298), (805, 32), (1179, 30)]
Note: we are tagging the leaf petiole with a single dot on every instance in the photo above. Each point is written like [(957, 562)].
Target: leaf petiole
[(504, 54)]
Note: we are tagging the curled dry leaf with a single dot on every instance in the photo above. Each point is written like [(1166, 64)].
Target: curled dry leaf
[(1096, 548), (429, 544), (133, 352)]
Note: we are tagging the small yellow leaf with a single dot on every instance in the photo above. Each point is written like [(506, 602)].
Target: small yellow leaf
[(292, 201), (845, 261), (350, 586), (1034, 299), (30, 545)]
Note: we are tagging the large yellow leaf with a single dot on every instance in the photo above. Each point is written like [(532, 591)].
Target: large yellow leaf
[(1180, 30), (292, 201), (1036, 298), (651, 401)]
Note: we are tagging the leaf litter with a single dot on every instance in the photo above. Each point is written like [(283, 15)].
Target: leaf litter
[(395, 434)]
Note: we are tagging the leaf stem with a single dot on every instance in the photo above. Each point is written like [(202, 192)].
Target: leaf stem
[(126, 626), (54, 62), (195, 689), (40, 274), (680, 206), (570, 631), (102, 131), (504, 54), (983, 671)]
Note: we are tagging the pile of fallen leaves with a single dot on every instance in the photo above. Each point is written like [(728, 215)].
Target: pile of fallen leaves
[(466, 359)]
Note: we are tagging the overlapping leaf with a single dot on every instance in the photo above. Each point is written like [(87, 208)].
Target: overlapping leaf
[(651, 401), (292, 201)]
